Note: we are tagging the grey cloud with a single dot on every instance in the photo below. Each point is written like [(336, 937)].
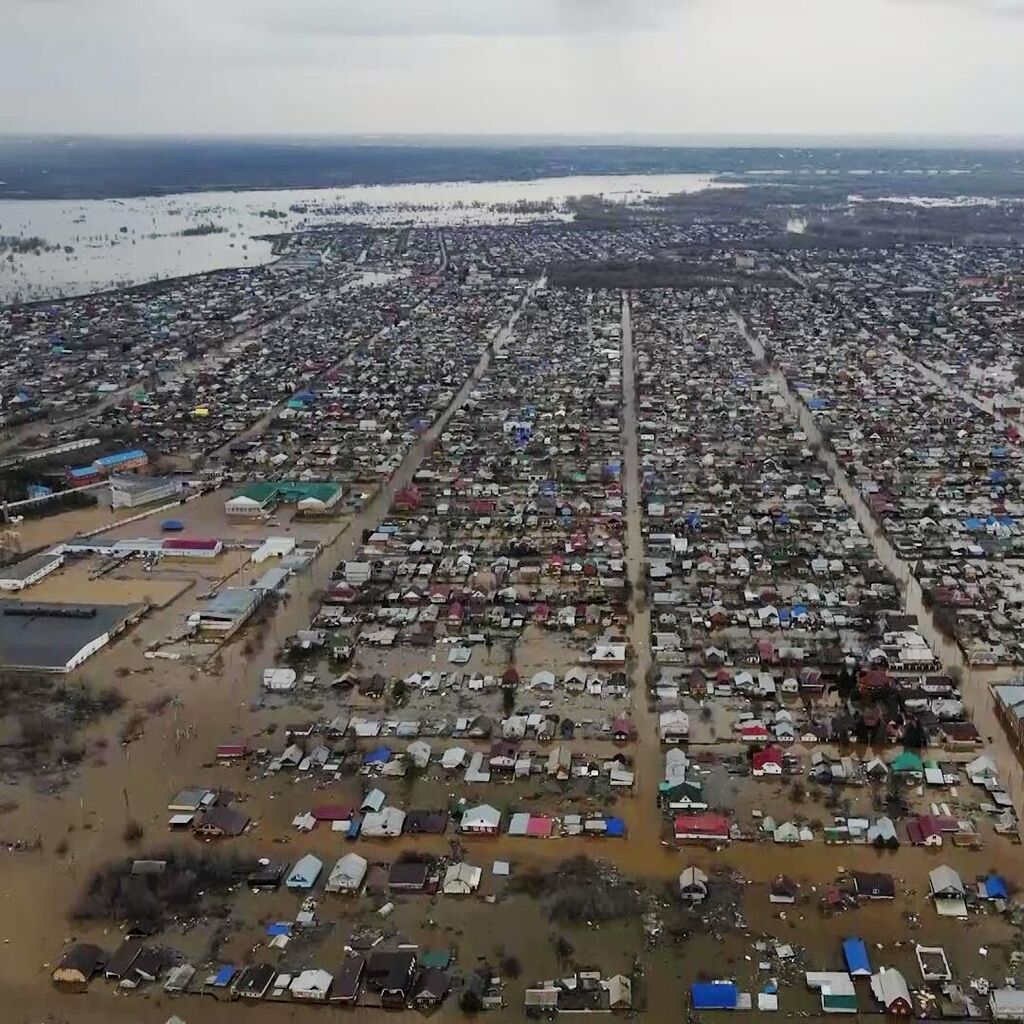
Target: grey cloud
[(983, 6), (355, 18)]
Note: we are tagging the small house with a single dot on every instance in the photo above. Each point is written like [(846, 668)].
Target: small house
[(348, 874), (305, 873), (693, 885), (483, 820), (890, 988), (461, 880), (855, 953), (77, 967)]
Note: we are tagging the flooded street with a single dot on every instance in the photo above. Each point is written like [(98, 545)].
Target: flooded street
[(645, 851)]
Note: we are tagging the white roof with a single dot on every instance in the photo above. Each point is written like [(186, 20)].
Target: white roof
[(1007, 1000), (461, 877), (832, 983), (692, 876), (485, 814), (314, 980), (374, 800), (388, 822), (453, 757), (348, 873), (419, 753), (945, 879), (888, 984)]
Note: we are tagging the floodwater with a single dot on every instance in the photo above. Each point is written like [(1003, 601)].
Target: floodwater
[(120, 783), (103, 243), (134, 782)]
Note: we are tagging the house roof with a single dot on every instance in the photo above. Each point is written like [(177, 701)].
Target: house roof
[(855, 953), (889, 985), (714, 995), (945, 879)]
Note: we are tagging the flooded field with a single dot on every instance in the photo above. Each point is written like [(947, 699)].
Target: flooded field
[(88, 245)]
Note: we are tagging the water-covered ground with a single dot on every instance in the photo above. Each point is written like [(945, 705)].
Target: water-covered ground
[(93, 244)]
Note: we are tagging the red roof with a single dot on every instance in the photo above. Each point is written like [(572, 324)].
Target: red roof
[(190, 544), (874, 679), (770, 755), (332, 812), (539, 825), (229, 750), (702, 825)]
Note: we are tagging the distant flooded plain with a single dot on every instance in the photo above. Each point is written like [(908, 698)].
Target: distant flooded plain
[(51, 248)]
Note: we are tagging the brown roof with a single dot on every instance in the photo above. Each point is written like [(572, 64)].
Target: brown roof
[(226, 820)]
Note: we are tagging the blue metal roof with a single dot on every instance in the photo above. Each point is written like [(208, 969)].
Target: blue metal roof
[(379, 756), (615, 827), (224, 975), (855, 952), (119, 457), (714, 995)]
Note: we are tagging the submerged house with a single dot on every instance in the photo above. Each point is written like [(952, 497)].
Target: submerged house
[(305, 872)]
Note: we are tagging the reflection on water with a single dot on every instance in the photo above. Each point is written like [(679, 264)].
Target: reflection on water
[(102, 243)]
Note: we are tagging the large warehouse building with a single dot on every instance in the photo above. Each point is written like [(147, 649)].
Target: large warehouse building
[(260, 499), (50, 637)]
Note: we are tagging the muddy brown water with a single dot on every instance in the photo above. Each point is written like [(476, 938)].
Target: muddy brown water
[(119, 783), (135, 781)]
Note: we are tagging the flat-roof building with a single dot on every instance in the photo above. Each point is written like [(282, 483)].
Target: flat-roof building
[(29, 570), (226, 612), (133, 491), (52, 637)]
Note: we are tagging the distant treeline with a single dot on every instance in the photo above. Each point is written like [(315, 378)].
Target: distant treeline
[(96, 167)]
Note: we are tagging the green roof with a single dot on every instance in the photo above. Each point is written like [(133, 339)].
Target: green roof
[(436, 958), (908, 761), (288, 491), (840, 1002)]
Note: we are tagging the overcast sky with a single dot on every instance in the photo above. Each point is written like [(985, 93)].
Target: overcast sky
[(531, 66)]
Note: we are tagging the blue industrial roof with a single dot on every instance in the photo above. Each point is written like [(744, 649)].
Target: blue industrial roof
[(615, 827), (119, 457), (714, 995), (379, 756), (172, 524), (855, 953)]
